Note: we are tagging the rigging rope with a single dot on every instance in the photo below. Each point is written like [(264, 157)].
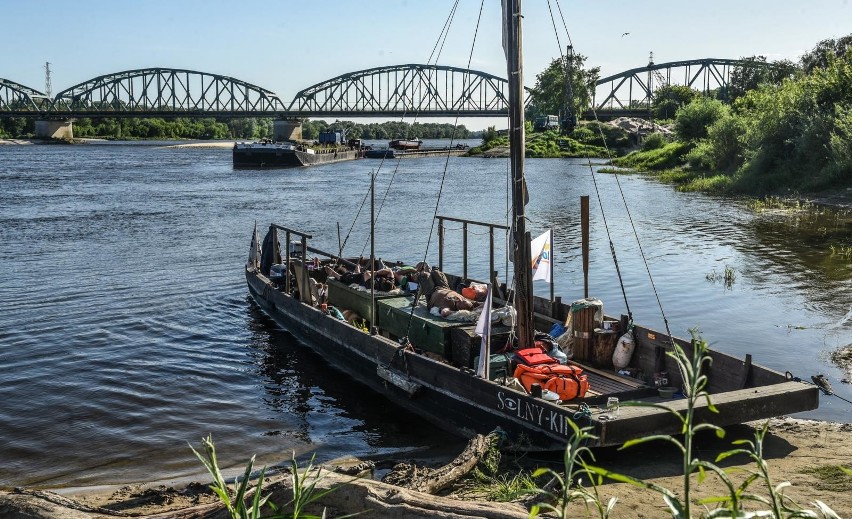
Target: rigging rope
[(626, 208), (439, 46), (446, 163), (819, 381)]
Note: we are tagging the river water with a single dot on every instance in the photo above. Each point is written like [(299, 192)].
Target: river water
[(126, 329)]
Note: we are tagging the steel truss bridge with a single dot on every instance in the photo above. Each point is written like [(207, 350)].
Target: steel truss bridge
[(391, 91), (633, 89)]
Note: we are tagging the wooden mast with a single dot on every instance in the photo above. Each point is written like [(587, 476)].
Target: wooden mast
[(523, 261)]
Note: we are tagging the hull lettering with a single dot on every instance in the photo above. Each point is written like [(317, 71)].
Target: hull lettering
[(548, 420)]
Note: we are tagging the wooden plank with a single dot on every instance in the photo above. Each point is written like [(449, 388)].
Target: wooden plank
[(734, 407), (627, 381), (398, 379)]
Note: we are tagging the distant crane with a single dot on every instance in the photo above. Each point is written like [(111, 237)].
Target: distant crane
[(48, 89)]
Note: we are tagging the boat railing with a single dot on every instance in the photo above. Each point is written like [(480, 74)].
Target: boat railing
[(303, 238), (465, 224)]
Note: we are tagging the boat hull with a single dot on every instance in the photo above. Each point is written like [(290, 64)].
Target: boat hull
[(458, 401), (277, 156)]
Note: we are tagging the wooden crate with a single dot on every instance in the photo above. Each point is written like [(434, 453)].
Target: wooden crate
[(426, 332), (345, 298), (466, 343)]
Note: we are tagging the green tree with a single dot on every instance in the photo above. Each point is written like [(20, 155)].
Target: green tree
[(548, 94), (669, 98), (825, 52), (756, 71)]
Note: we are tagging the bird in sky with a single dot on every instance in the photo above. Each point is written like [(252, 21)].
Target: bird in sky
[(625, 34)]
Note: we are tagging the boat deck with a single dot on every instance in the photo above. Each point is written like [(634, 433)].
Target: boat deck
[(606, 383)]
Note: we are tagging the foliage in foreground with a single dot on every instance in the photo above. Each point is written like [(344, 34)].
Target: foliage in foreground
[(740, 499), (304, 488)]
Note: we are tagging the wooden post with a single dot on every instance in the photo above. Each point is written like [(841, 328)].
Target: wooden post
[(305, 297), (491, 253), (584, 224), (440, 244), (515, 73), (373, 328), (287, 263), (583, 330), (552, 272), (464, 248)]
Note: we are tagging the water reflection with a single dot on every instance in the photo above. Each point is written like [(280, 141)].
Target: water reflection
[(322, 406)]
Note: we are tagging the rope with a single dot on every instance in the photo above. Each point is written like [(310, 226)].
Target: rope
[(446, 166), (626, 208), (820, 381), (442, 36), (583, 411)]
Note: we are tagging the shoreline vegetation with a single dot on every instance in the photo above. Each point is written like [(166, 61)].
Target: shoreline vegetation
[(809, 454)]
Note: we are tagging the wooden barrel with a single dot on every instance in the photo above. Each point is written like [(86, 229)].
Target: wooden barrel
[(604, 347), (586, 315)]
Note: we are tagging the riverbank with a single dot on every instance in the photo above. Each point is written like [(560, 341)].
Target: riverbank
[(806, 453)]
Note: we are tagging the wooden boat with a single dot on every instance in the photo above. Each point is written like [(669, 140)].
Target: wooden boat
[(435, 378)]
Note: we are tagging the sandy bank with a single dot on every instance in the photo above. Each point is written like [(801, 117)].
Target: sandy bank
[(803, 452), (203, 145)]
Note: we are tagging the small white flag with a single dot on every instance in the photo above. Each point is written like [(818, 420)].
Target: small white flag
[(540, 250), (483, 328)]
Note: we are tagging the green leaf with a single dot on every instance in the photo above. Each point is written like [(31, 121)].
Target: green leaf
[(646, 439), (702, 475), (826, 510), (675, 506)]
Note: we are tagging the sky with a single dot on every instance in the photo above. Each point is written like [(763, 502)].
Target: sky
[(286, 46)]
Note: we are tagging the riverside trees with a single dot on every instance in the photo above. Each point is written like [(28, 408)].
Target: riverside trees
[(792, 131)]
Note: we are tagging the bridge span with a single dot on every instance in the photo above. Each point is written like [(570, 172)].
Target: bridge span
[(391, 91)]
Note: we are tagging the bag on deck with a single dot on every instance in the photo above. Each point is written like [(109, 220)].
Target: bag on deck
[(569, 382), (533, 357)]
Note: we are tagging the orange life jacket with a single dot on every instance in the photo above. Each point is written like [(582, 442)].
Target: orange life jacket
[(569, 382)]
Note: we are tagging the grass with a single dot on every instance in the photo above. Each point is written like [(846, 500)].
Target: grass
[(669, 156), (783, 205), (743, 498), (834, 478), (304, 483), (844, 251), (727, 278)]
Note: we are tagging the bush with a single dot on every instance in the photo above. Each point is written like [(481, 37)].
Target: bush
[(654, 141), (693, 120), (723, 149), (669, 156)]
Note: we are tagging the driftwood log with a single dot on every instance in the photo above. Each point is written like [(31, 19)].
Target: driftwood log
[(404, 493), (371, 498), (432, 481)]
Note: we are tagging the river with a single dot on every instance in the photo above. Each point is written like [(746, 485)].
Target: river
[(126, 329)]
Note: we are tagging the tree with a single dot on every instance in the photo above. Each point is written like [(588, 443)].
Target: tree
[(549, 91), (824, 52), (669, 98), (756, 71)]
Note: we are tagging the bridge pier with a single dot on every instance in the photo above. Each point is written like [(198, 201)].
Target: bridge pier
[(287, 130), (54, 129)]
